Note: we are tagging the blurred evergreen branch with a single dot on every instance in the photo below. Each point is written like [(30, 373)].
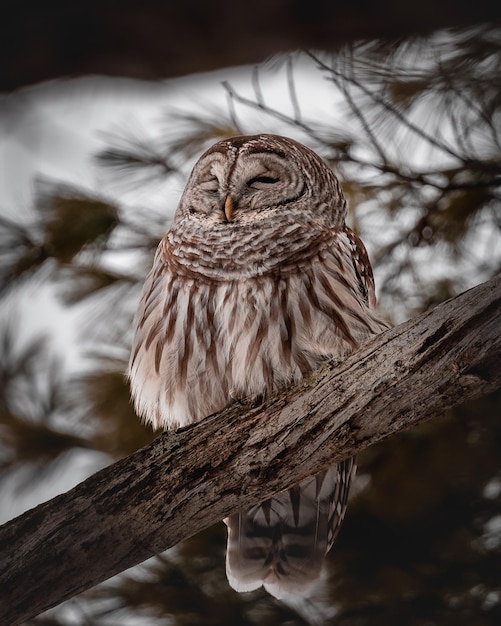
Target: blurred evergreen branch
[(67, 223), (32, 392), (135, 160)]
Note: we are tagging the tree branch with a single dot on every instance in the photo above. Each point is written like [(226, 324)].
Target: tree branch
[(189, 479)]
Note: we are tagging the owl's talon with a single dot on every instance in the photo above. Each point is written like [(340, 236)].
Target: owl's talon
[(248, 401)]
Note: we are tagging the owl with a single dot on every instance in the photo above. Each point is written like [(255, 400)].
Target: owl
[(257, 283)]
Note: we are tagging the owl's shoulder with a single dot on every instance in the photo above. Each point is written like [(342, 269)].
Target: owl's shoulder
[(170, 259)]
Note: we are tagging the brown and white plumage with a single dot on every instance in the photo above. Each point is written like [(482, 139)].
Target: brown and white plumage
[(257, 283)]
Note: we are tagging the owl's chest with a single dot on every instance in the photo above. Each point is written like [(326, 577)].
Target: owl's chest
[(201, 343), (253, 334)]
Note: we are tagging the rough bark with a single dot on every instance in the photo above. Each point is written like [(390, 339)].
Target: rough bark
[(149, 39), (189, 479)]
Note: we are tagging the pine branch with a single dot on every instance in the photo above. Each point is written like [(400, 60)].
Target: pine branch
[(189, 479)]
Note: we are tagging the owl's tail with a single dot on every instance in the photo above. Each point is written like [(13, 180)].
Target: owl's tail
[(281, 543)]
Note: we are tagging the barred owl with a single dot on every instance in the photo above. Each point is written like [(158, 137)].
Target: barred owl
[(257, 282)]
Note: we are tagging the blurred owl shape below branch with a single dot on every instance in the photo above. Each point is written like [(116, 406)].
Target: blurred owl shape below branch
[(257, 283)]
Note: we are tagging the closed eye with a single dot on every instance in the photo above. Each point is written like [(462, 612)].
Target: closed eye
[(262, 180), (210, 185)]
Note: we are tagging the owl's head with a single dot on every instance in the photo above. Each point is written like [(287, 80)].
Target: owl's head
[(258, 179)]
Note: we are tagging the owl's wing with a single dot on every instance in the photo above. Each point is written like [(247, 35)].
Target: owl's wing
[(362, 267), (281, 543)]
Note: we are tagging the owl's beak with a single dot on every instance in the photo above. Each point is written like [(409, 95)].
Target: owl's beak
[(228, 208)]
